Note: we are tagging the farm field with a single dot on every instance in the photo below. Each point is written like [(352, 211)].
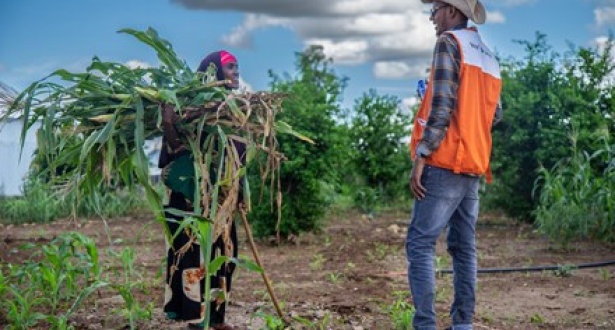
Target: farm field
[(352, 274)]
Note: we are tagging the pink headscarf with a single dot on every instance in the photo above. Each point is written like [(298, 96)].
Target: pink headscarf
[(226, 57)]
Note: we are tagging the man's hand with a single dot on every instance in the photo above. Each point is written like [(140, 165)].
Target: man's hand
[(415, 178)]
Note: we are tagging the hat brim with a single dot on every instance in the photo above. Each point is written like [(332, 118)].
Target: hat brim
[(479, 16)]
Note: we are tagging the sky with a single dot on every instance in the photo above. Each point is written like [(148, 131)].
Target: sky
[(384, 45)]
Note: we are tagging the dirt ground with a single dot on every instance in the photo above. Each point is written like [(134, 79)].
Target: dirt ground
[(352, 271)]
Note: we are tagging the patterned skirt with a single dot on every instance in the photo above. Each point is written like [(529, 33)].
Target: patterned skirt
[(185, 281)]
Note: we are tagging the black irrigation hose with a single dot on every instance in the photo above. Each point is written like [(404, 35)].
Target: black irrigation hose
[(534, 269)]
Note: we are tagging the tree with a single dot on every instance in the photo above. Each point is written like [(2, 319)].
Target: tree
[(312, 108), (548, 102), (379, 127), (530, 123)]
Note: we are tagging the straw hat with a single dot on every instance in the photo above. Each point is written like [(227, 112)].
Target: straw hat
[(473, 9)]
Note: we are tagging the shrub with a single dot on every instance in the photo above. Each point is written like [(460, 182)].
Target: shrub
[(577, 199), (312, 108)]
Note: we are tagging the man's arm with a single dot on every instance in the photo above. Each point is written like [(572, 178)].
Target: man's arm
[(446, 65), (445, 84)]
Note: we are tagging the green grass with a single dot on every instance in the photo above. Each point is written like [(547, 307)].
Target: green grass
[(41, 204)]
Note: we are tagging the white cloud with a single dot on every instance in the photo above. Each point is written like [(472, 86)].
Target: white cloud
[(600, 42), (351, 31), (343, 52), (410, 102), (133, 64), (302, 8), (404, 36), (241, 35), (495, 17), (604, 16), (397, 32), (398, 70)]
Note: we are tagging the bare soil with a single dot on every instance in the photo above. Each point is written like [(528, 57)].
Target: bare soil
[(351, 272)]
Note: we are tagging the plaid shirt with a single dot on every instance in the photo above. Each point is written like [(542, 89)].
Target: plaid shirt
[(446, 66)]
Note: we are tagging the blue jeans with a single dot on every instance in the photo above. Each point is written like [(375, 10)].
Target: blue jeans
[(451, 200)]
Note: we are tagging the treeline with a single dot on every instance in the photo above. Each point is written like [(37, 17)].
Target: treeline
[(553, 154), (359, 158)]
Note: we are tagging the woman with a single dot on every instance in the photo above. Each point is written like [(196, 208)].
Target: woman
[(185, 284)]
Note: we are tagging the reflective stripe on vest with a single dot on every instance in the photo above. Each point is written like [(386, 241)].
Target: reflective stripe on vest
[(466, 147)]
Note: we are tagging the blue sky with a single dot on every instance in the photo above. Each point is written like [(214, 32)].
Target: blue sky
[(381, 44)]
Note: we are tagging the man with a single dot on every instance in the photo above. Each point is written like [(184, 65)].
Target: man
[(450, 147)]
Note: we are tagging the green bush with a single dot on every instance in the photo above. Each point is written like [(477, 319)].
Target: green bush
[(381, 158), (313, 109), (546, 98), (577, 199)]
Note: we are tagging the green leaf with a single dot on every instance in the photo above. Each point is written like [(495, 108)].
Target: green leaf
[(169, 96), (186, 214), (215, 265), (284, 128), (248, 264), (163, 49)]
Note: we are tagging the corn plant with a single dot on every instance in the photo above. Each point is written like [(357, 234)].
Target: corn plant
[(318, 261), (334, 277), (272, 322), (93, 129), (316, 324), (537, 319), (125, 284), (59, 323), (576, 195), (67, 273), (564, 270), (604, 272), (3, 281), (22, 308), (400, 311), (67, 259)]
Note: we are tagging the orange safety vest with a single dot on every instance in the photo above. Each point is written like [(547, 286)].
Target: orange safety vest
[(466, 147)]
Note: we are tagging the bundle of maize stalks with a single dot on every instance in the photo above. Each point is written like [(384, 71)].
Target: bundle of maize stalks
[(94, 124)]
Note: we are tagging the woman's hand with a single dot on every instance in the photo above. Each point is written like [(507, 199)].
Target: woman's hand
[(169, 116)]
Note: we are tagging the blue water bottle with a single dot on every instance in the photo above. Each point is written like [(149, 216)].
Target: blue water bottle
[(421, 88)]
